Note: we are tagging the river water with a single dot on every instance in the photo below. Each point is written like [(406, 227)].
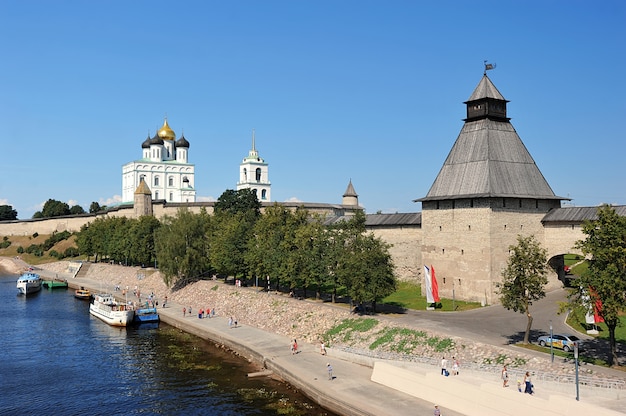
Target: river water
[(59, 360)]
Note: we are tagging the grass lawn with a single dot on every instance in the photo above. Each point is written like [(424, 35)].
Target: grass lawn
[(409, 296), (576, 320)]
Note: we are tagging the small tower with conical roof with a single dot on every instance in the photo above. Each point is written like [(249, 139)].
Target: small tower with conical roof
[(253, 174), (350, 197), (143, 200)]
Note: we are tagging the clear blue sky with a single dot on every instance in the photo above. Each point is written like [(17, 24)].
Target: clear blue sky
[(370, 91)]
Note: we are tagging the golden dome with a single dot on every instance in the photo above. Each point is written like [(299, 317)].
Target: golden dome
[(165, 132)]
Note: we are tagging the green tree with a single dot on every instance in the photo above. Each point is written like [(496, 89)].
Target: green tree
[(95, 207), (54, 208), (341, 236), (142, 250), (243, 200), (230, 233), (236, 212), (311, 253), (265, 255), (7, 213), (367, 269), (605, 278), (524, 279), (182, 248), (296, 247), (77, 210)]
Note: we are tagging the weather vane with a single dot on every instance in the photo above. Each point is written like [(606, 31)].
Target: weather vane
[(488, 66)]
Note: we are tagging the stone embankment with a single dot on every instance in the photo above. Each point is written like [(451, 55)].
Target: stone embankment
[(307, 321)]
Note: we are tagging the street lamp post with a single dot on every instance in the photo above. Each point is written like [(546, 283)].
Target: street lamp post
[(551, 342), (576, 362)]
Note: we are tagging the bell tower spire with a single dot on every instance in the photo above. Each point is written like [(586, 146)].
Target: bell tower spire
[(254, 173)]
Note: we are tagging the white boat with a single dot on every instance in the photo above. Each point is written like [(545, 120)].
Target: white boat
[(107, 308), (29, 283)]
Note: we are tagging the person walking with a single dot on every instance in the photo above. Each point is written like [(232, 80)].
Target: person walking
[(322, 348), (505, 377), (230, 322), (436, 412), (444, 366), (455, 366), (329, 368), (529, 383)]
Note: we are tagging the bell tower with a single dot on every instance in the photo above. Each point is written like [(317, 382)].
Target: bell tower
[(253, 174)]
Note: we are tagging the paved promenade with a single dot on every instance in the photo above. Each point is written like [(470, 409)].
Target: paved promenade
[(367, 387)]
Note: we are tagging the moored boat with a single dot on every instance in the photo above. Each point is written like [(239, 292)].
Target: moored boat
[(55, 284), (107, 308), (146, 315), (28, 283), (82, 293)]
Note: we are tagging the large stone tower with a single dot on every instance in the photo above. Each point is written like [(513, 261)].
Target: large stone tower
[(488, 192)]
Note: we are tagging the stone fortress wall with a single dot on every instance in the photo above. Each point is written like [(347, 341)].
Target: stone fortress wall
[(463, 244)]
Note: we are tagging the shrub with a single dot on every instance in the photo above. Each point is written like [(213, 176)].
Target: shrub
[(71, 252)]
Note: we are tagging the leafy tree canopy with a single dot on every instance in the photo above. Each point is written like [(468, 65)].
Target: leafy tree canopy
[(525, 278), (243, 200), (76, 210), (7, 213), (95, 207), (54, 208), (605, 278)]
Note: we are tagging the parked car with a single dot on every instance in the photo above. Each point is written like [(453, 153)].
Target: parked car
[(564, 342)]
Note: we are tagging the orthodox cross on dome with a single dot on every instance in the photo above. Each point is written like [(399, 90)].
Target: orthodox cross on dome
[(253, 146)]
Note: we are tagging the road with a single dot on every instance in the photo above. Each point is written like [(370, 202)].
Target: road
[(495, 325)]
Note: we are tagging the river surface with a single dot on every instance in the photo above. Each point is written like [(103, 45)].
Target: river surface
[(59, 360)]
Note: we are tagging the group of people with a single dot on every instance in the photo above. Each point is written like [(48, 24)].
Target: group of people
[(455, 367), (528, 383)]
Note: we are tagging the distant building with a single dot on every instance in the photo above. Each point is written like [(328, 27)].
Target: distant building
[(253, 174), (165, 168)]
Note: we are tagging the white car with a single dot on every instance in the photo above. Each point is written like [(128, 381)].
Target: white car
[(564, 342)]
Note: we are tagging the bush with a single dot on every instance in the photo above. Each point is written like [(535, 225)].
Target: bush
[(53, 253), (35, 249), (71, 252), (20, 250)]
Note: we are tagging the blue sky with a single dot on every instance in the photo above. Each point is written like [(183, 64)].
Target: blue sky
[(368, 91)]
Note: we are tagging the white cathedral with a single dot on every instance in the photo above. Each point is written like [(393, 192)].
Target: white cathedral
[(165, 168)]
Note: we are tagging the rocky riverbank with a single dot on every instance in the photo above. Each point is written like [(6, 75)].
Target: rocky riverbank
[(308, 320)]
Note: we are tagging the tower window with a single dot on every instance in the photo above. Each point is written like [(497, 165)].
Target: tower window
[(170, 181), (245, 174), (156, 181), (264, 194), (156, 194), (258, 174), (171, 196)]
